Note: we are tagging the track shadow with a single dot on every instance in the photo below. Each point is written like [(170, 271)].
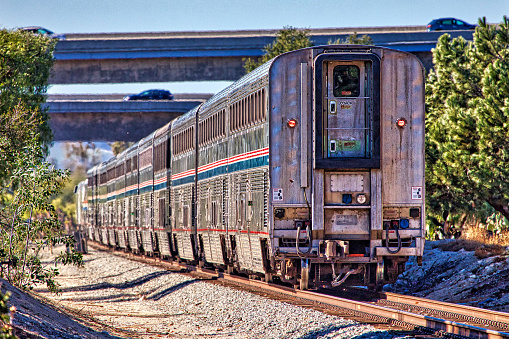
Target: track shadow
[(111, 298), (172, 289), (119, 286)]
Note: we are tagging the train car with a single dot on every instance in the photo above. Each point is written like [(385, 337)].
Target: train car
[(132, 198), (162, 183), (309, 170), (102, 205), (347, 164), (183, 186), (120, 201), (94, 213), (111, 202), (249, 171), (212, 190), (82, 210), (92, 192), (146, 193)]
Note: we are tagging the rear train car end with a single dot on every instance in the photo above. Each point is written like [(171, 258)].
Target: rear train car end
[(346, 164)]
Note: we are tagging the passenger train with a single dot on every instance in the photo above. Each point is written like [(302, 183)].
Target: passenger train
[(309, 170)]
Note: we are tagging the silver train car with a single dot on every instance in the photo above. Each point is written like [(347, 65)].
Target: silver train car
[(308, 170)]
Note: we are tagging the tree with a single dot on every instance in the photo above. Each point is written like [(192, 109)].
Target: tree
[(5, 317), (28, 222), (118, 147), (353, 39), (467, 124), (81, 155), (25, 63), (288, 39)]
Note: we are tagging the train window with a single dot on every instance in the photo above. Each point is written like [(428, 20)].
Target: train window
[(185, 216), (135, 163), (258, 107), (242, 213), (264, 107), (183, 141), (237, 116), (146, 158), (162, 212), (168, 150), (346, 81), (213, 217), (251, 109), (243, 114)]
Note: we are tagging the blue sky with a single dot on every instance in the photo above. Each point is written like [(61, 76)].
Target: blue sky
[(74, 16), (93, 16)]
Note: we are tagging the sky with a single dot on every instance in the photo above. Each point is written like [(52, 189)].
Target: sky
[(109, 16), (97, 16)]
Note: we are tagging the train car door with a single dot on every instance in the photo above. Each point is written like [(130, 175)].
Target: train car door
[(347, 147)]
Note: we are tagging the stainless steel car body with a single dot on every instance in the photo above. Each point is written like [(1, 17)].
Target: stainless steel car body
[(310, 168)]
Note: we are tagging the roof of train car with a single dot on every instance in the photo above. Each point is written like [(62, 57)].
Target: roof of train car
[(246, 79), (184, 118), (122, 154), (111, 162), (144, 141), (163, 130), (133, 148)]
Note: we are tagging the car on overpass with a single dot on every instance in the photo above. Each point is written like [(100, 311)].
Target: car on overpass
[(449, 24), (43, 31), (151, 94)]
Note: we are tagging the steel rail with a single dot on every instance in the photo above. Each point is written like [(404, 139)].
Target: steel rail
[(368, 310), (398, 316), (364, 309), (468, 313)]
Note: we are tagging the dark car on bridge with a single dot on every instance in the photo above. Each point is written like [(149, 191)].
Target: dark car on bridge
[(43, 31), (449, 24), (151, 94)]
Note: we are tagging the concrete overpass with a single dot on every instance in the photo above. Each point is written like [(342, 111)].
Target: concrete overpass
[(109, 118), (202, 56)]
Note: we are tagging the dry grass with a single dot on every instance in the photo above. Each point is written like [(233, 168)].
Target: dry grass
[(477, 239), (481, 235)]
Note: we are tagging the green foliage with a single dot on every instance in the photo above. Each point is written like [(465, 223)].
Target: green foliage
[(28, 222), (5, 317), (64, 202), (288, 39), (467, 124), (78, 157), (353, 39), (81, 155), (118, 147), (25, 63)]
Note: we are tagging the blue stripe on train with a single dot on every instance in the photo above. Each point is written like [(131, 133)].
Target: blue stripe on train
[(248, 164), (146, 189), (184, 180), (213, 172), (160, 186), (238, 166)]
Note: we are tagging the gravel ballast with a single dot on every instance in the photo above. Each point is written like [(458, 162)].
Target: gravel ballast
[(123, 298)]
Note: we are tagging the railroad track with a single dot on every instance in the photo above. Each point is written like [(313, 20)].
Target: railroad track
[(429, 317)]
